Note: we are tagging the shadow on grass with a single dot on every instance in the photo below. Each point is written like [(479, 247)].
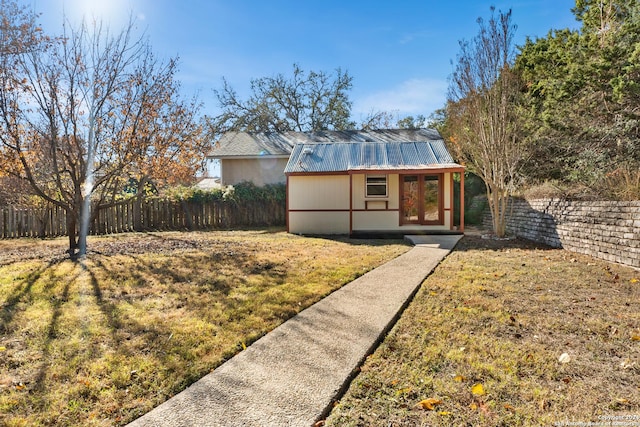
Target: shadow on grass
[(354, 241), (58, 303), (122, 330), (22, 292)]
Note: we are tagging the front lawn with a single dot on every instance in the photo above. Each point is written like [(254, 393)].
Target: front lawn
[(507, 334), (104, 341)]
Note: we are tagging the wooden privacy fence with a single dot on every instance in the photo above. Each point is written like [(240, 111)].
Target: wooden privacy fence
[(144, 216)]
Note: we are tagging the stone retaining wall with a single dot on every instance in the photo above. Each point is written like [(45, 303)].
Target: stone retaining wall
[(607, 230)]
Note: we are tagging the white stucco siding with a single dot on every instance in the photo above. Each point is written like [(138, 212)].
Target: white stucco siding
[(375, 220), (359, 192), (369, 216), (389, 221), (447, 191), (318, 204), (447, 200), (337, 204), (262, 171), (319, 222), (319, 192)]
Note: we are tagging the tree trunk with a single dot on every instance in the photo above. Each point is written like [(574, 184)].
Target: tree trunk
[(84, 220), (72, 232), (82, 243), (498, 204)]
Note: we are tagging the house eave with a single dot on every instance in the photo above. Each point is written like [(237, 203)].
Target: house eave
[(409, 169), (405, 171), (249, 157)]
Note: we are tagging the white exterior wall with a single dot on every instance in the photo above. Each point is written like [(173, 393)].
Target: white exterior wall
[(319, 222), (448, 201), (375, 219), (359, 191), (318, 204), (262, 171)]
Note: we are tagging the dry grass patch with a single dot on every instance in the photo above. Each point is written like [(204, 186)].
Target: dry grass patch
[(148, 314), (481, 344)]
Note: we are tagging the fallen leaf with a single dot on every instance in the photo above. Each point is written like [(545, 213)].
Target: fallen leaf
[(564, 358), (635, 338), (473, 406), (634, 280), (622, 401), (566, 380), (429, 403), (509, 407), (2, 348), (459, 378), (477, 390), (319, 423), (445, 413)]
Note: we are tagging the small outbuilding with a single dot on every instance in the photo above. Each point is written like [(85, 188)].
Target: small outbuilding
[(402, 184)]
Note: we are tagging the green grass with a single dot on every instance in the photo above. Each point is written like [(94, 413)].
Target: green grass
[(104, 341), (500, 314)]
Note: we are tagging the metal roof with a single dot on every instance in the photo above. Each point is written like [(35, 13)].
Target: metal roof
[(382, 156), (239, 144)]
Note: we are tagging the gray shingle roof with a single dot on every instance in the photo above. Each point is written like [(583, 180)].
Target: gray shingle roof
[(382, 156), (281, 144)]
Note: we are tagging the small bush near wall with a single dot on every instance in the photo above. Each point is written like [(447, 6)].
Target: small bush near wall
[(604, 229), (248, 191), (475, 199)]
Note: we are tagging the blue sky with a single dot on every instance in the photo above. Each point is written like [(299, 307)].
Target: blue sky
[(398, 52)]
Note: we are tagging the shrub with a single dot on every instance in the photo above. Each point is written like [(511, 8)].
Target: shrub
[(193, 194), (248, 191), (244, 191), (623, 183)]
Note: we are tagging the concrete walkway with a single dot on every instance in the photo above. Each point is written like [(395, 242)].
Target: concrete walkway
[(292, 375)]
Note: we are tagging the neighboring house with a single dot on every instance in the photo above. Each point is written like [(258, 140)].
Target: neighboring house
[(351, 182), (208, 183), (259, 158)]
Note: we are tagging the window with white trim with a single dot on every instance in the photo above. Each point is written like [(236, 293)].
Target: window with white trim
[(376, 186)]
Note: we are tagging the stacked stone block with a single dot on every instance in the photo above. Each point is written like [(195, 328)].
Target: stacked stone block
[(603, 229)]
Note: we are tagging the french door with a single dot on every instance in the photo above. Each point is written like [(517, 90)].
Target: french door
[(422, 199)]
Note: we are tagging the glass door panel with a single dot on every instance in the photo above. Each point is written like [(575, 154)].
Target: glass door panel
[(410, 199), (431, 199), (422, 199)]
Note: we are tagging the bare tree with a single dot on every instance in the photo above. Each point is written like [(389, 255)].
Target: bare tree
[(481, 112), (82, 114), (379, 119), (303, 102)]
